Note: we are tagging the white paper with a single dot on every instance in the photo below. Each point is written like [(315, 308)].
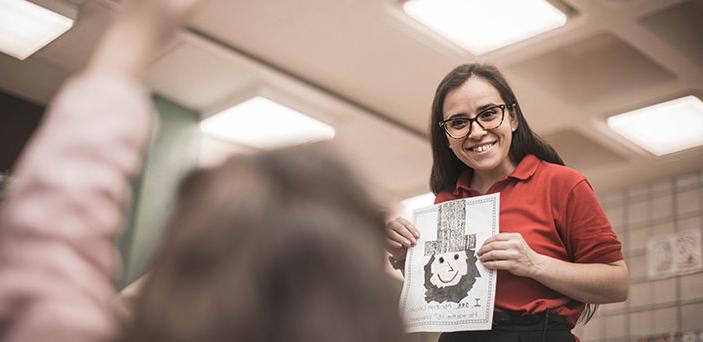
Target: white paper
[(674, 254), (688, 251), (446, 288), (660, 257)]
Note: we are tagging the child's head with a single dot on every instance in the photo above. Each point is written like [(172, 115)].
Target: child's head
[(279, 246)]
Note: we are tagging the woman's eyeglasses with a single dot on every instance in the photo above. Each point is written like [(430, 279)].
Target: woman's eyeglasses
[(488, 119)]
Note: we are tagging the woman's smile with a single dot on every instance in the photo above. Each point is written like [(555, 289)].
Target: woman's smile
[(481, 148), (486, 151)]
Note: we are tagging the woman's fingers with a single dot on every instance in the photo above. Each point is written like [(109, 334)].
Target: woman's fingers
[(409, 226), (509, 252), (393, 244), (501, 241), (503, 237), (401, 229), (499, 255), (402, 239), (400, 235), (396, 249), (495, 245)]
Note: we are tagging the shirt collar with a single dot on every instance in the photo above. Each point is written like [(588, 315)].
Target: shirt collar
[(527, 167), (524, 170), (464, 181)]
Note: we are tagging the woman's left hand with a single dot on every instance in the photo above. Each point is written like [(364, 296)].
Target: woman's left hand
[(510, 252)]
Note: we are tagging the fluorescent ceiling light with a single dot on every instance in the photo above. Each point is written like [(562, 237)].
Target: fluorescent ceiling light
[(483, 26), (663, 128), (408, 205), (260, 122), (26, 27)]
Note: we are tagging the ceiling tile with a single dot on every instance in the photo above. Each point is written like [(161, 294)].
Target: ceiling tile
[(581, 152), (600, 66), (681, 26)]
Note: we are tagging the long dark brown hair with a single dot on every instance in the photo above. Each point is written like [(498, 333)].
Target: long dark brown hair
[(446, 167), (279, 246)]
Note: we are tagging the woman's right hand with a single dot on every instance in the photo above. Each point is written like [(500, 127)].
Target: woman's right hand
[(400, 235)]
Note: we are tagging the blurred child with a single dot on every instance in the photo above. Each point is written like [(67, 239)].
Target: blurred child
[(278, 246)]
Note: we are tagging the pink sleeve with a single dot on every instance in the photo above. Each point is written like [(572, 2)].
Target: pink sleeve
[(63, 210)]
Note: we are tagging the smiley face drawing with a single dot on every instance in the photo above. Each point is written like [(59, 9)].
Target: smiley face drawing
[(448, 268), (451, 271)]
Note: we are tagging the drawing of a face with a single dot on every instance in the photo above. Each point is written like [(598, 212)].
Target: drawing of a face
[(450, 276), (448, 268)]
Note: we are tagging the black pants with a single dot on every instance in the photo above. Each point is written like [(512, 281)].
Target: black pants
[(510, 327)]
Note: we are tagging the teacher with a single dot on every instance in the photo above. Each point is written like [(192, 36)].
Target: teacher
[(556, 253)]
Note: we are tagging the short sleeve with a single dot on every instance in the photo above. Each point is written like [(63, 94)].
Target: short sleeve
[(589, 236)]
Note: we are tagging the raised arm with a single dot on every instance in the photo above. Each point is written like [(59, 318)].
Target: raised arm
[(63, 208)]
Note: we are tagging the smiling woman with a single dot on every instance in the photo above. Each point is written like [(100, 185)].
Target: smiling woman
[(556, 250), (485, 148)]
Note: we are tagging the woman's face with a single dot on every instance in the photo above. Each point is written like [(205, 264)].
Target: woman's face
[(482, 150)]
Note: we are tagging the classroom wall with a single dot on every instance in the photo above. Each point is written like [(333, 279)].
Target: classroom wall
[(173, 152), (19, 118), (655, 307)]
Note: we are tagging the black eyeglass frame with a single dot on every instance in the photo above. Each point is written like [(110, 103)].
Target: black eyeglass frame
[(502, 107)]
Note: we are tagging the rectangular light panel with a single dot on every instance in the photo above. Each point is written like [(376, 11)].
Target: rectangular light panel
[(481, 26), (262, 123), (26, 27), (663, 128)]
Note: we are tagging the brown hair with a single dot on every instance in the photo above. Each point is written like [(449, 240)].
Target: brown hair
[(446, 167), (279, 246)]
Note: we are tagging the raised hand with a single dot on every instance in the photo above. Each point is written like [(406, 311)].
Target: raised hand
[(141, 25), (163, 14)]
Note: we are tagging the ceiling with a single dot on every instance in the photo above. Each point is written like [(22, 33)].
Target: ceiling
[(370, 71)]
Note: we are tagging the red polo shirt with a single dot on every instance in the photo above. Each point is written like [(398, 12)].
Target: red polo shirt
[(557, 213)]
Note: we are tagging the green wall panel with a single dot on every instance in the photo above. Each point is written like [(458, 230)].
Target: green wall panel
[(172, 153)]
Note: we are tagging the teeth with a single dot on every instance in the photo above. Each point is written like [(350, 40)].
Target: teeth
[(481, 148)]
